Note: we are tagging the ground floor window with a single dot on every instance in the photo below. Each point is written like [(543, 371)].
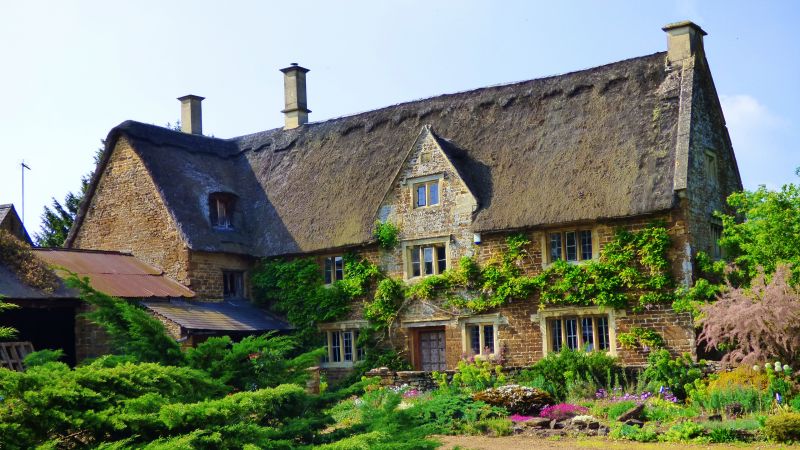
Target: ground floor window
[(481, 338), (342, 347), (579, 332)]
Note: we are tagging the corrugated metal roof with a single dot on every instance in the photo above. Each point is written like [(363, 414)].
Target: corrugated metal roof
[(230, 315), (117, 274)]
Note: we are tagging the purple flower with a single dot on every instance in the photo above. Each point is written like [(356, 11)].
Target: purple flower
[(562, 411), (778, 397), (516, 418)]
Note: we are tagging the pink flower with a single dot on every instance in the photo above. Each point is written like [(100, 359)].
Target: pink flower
[(516, 418), (562, 411)]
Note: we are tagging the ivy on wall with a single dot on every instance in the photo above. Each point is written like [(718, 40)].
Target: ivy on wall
[(632, 271)]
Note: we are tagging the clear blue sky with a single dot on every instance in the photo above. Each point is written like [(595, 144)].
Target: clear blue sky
[(73, 70)]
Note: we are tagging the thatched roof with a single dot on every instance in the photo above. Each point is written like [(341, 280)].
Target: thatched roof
[(10, 221), (598, 143)]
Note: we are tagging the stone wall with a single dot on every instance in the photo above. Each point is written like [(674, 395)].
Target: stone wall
[(127, 214), (91, 341), (205, 273)]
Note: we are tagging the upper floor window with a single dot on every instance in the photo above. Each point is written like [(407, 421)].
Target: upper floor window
[(220, 208), (426, 193), (334, 269), (571, 245), (428, 259), (232, 284)]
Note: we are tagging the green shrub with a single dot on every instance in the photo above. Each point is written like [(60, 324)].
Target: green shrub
[(569, 367), (448, 413), (658, 410), (42, 357), (647, 433), (472, 376), (614, 410), (678, 374), (386, 233), (784, 427), (499, 426), (683, 432)]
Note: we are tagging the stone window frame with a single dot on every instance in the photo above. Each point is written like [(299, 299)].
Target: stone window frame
[(496, 320), (545, 243), (407, 248), (333, 271), (545, 316), (338, 330), (427, 180), (221, 202), (711, 166)]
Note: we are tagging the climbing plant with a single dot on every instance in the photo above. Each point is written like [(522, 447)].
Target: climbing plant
[(633, 270), (644, 337), (387, 235)]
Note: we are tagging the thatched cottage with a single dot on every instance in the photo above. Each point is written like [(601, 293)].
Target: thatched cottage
[(565, 160)]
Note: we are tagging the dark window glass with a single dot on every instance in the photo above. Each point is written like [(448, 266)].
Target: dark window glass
[(474, 340), (572, 246), (415, 266), (336, 346), (232, 284), (586, 244), (433, 193), (602, 333), (555, 246), (428, 258), (587, 333), (488, 338), (347, 339), (441, 259), (421, 195), (220, 210), (571, 328), (328, 270), (556, 330), (339, 265)]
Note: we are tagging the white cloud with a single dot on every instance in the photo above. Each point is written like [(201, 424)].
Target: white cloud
[(756, 134)]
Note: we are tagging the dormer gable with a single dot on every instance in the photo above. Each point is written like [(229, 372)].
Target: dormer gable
[(428, 196)]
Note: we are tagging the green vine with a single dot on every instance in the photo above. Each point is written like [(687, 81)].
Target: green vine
[(387, 235), (643, 337), (633, 270)]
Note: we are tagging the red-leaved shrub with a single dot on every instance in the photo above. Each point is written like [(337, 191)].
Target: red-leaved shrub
[(756, 324)]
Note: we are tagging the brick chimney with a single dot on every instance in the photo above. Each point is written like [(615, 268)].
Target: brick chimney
[(684, 39), (294, 90), (191, 114)]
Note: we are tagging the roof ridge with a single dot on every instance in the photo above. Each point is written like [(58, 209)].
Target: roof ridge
[(81, 250)]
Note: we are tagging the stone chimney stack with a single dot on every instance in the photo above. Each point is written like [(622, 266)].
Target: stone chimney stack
[(684, 39), (294, 90), (191, 114)]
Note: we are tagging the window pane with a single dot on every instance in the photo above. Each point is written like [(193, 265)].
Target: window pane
[(420, 195), (474, 339), (222, 214), (415, 272), (347, 338), (328, 270), (587, 333), (602, 333), (488, 338), (555, 246), (555, 327), (441, 259), (339, 264), (586, 244), (433, 193), (428, 256), (336, 346), (572, 246), (571, 326)]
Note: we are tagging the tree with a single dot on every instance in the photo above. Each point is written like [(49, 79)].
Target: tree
[(769, 234), (57, 221)]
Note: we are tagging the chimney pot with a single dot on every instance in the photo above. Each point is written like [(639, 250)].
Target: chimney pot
[(191, 114), (294, 89), (684, 39)]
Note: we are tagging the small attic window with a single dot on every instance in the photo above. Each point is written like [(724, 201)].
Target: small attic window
[(220, 210)]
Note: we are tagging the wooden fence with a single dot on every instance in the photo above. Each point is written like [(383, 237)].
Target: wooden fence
[(12, 354)]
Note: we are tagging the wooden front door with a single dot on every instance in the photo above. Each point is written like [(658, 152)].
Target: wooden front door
[(431, 350)]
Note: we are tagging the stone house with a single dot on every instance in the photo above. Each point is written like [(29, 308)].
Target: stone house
[(565, 160)]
